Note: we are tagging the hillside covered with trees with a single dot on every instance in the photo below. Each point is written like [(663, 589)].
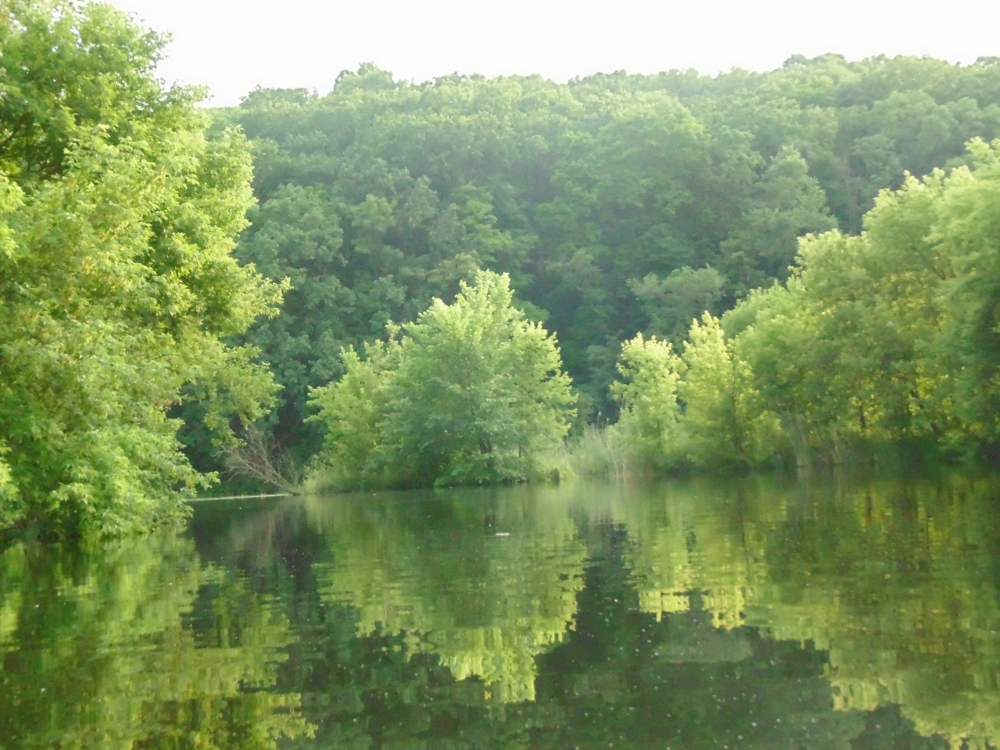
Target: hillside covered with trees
[(146, 245), (618, 204)]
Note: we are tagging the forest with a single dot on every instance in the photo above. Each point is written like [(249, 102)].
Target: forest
[(479, 280)]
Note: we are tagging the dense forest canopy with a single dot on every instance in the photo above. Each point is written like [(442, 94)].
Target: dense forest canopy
[(616, 203), (145, 245)]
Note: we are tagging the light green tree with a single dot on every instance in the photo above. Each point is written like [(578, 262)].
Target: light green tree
[(723, 422), (969, 343), (474, 394), (648, 425), (891, 335), (351, 409), (117, 287), (480, 395)]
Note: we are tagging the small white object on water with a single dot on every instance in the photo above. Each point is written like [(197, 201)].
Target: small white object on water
[(502, 533)]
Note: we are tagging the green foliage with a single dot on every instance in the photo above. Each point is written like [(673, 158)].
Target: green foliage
[(672, 303), (352, 410), (608, 200), (479, 395), (615, 203), (891, 335), (67, 69), (117, 287), (723, 422), (965, 232), (784, 205), (698, 410), (650, 413), (474, 393), (10, 507)]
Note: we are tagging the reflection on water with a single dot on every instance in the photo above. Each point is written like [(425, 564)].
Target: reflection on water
[(897, 584), (98, 652), (759, 613), (484, 592)]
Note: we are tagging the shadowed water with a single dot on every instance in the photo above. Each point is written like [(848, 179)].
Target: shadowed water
[(758, 613)]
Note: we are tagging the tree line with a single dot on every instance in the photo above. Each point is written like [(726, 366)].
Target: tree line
[(616, 203), (143, 262), (888, 337)]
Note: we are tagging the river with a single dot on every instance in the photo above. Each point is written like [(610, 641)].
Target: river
[(767, 612)]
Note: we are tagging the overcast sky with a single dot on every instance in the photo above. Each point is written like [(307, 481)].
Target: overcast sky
[(233, 46)]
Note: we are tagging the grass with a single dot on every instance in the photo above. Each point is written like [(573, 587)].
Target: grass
[(598, 452)]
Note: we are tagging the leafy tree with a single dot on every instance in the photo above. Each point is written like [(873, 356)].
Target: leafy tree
[(117, 287), (723, 422), (650, 413), (783, 205), (964, 233), (835, 353), (476, 395), (298, 235), (888, 336), (672, 303), (353, 409), (480, 395)]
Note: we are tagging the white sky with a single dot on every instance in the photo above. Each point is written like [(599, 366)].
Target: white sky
[(234, 45)]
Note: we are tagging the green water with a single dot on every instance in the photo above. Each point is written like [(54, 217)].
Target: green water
[(762, 613)]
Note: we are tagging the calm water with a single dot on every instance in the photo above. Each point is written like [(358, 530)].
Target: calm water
[(761, 613)]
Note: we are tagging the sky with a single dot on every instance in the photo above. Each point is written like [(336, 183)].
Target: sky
[(233, 46)]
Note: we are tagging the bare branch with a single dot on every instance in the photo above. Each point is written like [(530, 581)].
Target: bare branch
[(258, 457)]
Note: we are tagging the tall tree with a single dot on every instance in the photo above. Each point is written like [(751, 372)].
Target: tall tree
[(117, 286)]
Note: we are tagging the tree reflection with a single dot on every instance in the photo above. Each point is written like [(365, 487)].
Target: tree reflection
[(485, 586), (759, 614), (691, 615), (134, 645), (896, 582)]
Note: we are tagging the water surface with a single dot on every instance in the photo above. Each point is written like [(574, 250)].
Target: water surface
[(758, 613)]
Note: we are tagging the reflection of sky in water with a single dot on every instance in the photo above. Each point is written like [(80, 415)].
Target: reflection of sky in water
[(758, 613)]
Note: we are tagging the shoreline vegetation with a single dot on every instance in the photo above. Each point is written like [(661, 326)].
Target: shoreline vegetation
[(479, 280)]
